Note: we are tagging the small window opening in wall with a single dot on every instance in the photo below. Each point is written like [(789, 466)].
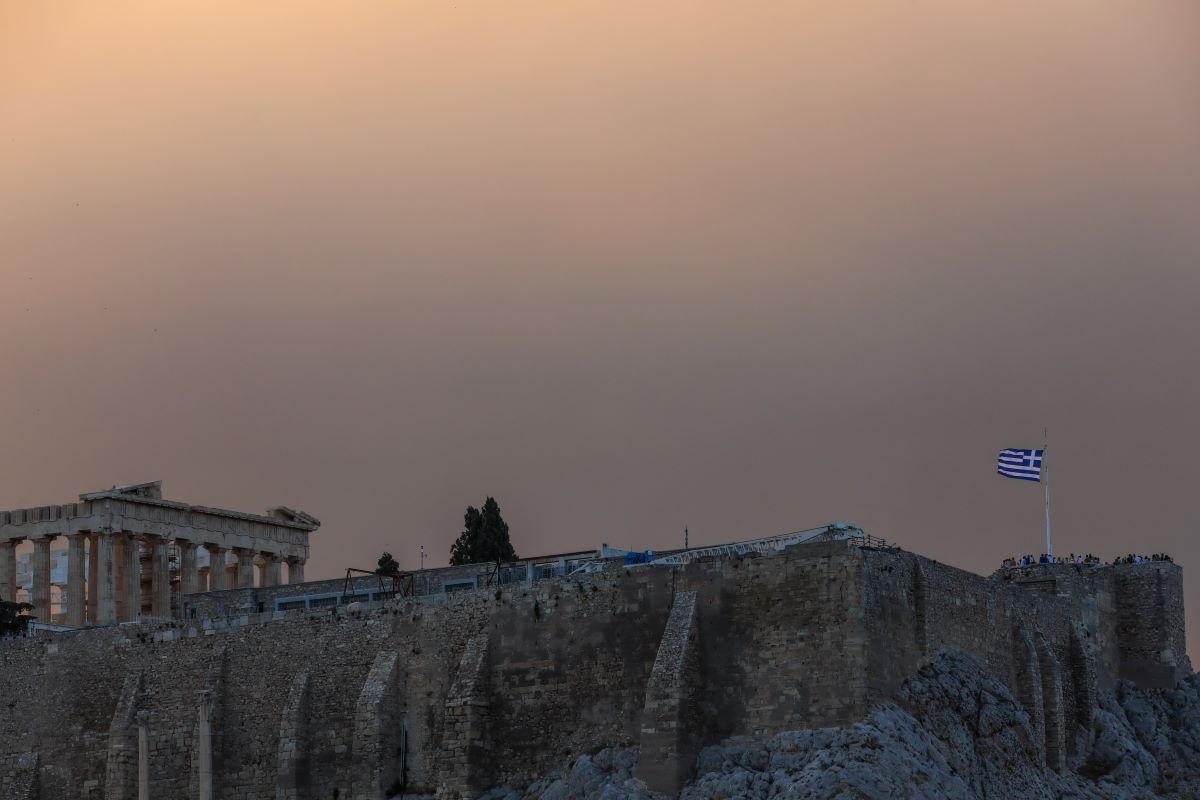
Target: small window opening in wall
[(261, 607)]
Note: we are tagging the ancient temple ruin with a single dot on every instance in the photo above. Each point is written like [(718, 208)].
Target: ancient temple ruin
[(128, 549)]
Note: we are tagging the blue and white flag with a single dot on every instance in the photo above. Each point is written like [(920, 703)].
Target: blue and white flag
[(1025, 465)]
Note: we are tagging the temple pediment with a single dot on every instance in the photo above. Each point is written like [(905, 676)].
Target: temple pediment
[(292, 515)]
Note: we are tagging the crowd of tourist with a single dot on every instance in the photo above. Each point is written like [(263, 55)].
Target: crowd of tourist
[(1045, 558), (1133, 558), (1088, 558)]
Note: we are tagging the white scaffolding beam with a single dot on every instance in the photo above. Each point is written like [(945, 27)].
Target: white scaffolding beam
[(834, 531)]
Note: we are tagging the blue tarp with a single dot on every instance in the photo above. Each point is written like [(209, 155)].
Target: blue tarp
[(639, 558)]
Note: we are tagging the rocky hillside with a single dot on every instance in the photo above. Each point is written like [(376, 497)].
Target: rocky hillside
[(953, 733)]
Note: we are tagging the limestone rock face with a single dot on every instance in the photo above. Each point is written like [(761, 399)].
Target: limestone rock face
[(608, 775), (952, 733), (955, 732)]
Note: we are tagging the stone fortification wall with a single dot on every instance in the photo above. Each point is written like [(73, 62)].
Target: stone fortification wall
[(1056, 633), (19, 776), (64, 696), (779, 639), (455, 692), (1088, 591), (1042, 642), (1149, 620), (917, 606), (570, 663)]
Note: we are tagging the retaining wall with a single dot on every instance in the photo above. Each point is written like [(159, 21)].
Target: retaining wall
[(456, 692)]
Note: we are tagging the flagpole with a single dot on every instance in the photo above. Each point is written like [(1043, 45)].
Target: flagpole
[(1046, 486)]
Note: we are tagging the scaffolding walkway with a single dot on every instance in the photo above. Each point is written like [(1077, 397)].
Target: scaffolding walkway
[(767, 545), (834, 531)]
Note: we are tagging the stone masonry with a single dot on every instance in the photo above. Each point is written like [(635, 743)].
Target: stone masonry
[(19, 776), (293, 742), (464, 733), (378, 729), (446, 694), (121, 769)]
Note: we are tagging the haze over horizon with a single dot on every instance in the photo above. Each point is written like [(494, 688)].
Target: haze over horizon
[(748, 268)]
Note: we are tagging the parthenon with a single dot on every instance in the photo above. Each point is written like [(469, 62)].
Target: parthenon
[(131, 529)]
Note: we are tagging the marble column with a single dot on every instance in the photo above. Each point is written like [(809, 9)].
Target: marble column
[(160, 579), (106, 590), (41, 580), (131, 577), (76, 580), (272, 569), (188, 578), (295, 570), (217, 574), (145, 570), (119, 574), (245, 567), (8, 570), (92, 560)]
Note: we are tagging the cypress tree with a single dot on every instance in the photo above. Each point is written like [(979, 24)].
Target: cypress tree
[(484, 537), (387, 564)]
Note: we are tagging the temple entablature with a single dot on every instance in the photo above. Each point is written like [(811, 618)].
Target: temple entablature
[(141, 510)]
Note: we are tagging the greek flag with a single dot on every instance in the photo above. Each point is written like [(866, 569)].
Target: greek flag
[(1025, 465)]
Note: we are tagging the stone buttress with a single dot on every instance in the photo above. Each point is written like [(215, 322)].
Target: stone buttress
[(378, 732), (293, 742), (121, 771), (464, 754), (671, 724)]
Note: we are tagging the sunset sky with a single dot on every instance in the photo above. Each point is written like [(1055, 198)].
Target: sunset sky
[(747, 267)]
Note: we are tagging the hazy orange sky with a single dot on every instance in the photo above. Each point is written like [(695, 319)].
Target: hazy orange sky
[(744, 266)]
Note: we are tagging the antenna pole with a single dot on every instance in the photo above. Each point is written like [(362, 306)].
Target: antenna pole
[(424, 577)]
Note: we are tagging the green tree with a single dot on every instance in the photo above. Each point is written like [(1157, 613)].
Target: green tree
[(387, 565), (14, 619), (484, 537)]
